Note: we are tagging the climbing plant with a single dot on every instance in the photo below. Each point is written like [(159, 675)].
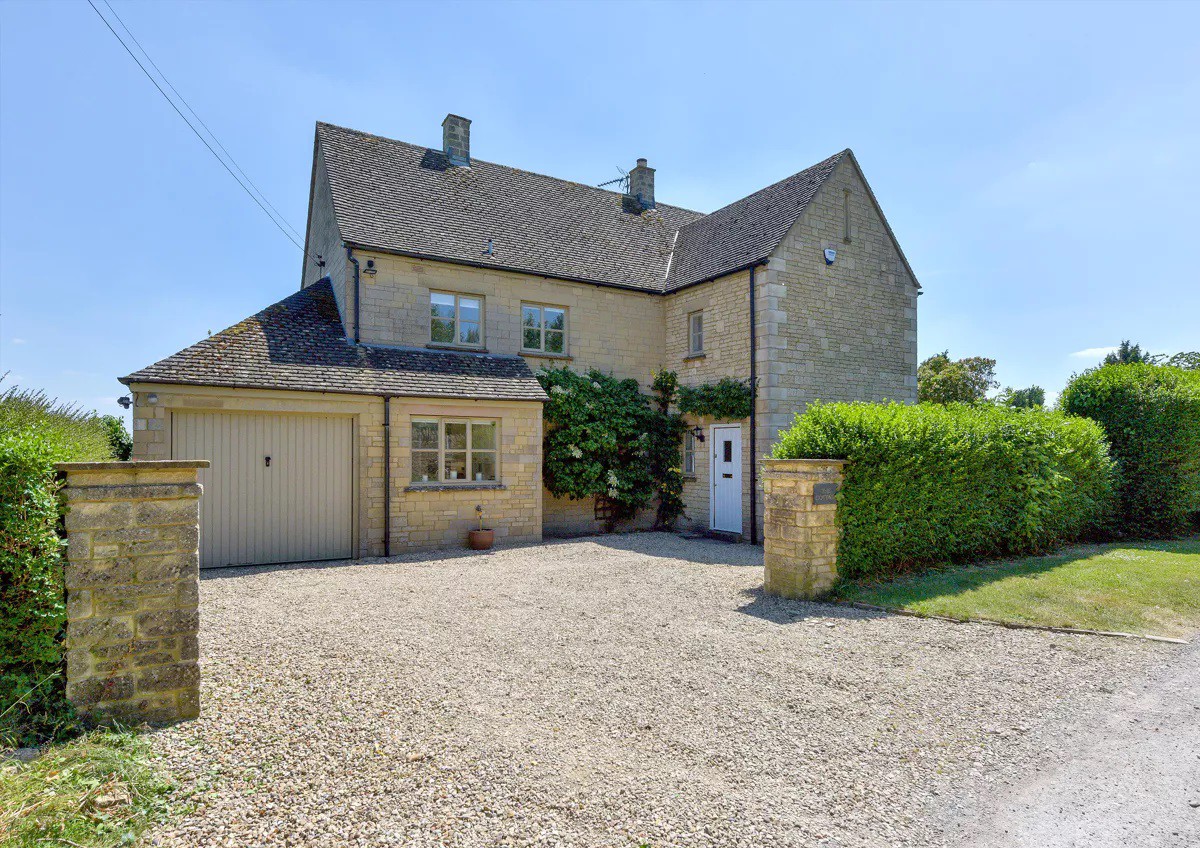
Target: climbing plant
[(605, 439), (725, 400), (665, 461)]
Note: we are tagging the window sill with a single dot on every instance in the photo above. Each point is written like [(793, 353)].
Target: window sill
[(459, 348), (538, 354), (692, 356), (690, 478), (468, 486)]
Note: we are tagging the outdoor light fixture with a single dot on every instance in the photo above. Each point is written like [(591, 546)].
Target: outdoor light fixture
[(697, 433), (370, 269), (152, 398)]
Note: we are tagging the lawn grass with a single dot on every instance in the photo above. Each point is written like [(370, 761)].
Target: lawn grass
[(1143, 587), (97, 791)]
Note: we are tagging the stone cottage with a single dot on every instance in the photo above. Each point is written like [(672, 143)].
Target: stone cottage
[(371, 411)]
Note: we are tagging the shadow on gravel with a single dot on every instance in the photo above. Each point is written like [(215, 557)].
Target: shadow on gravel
[(660, 545), (699, 550), (783, 611), (440, 555)]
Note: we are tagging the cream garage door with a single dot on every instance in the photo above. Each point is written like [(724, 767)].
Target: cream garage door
[(279, 488)]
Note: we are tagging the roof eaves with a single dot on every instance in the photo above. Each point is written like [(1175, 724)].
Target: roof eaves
[(271, 387), (743, 267), (391, 251)]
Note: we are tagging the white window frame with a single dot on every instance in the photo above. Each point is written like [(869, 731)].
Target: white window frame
[(541, 328), (441, 451), (458, 298), (695, 329), (689, 452)]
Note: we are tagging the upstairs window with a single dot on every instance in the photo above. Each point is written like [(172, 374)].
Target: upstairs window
[(695, 333), (454, 451), (455, 319), (543, 328)]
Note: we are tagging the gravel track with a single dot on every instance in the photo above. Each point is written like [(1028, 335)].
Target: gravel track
[(610, 691)]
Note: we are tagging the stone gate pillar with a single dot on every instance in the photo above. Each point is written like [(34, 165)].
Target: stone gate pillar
[(800, 526), (132, 581)]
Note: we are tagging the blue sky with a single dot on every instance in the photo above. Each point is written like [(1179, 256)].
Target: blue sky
[(1038, 162)]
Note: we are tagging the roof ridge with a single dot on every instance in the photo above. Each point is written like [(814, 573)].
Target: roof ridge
[(505, 167), (829, 159)]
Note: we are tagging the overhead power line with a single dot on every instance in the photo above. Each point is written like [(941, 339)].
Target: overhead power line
[(212, 135), (192, 127)]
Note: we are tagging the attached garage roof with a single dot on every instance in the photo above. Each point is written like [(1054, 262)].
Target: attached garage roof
[(299, 344)]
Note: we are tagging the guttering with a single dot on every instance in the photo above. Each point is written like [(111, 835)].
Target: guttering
[(387, 476), (739, 269), (428, 257), (753, 415), (274, 387), (350, 256)]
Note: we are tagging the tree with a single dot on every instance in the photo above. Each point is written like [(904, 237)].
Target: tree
[(1189, 359), (943, 380), (1126, 353), (118, 437), (1022, 398)]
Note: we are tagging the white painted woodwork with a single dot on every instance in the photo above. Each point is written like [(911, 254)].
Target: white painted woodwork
[(726, 512)]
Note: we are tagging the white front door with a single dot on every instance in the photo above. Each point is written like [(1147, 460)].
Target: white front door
[(726, 469)]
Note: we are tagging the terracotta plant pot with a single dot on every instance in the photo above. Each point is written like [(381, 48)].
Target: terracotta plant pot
[(481, 540)]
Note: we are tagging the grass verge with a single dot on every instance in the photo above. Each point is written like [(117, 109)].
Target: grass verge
[(96, 791), (1145, 587)]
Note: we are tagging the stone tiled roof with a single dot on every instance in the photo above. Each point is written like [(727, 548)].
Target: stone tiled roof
[(299, 344), (747, 231), (399, 197)]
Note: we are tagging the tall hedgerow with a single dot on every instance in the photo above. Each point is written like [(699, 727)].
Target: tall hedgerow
[(936, 483), (1151, 415), (35, 432)]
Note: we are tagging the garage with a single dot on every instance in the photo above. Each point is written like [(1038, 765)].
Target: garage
[(279, 487)]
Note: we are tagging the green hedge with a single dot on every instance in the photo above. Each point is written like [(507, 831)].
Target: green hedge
[(1151, 414), (35, 432), (931, 483)]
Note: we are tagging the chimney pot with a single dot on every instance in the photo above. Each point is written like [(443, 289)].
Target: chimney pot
[(456, 140), (641, 184)]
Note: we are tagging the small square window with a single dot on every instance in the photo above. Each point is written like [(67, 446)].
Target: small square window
[(696, 333)]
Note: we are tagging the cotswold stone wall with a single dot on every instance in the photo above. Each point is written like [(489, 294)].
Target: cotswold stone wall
[(726, 307), (801, 535), (840, 332), (132, 582), (438, 516)]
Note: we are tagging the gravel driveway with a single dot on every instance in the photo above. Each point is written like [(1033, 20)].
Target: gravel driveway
[(620, 690)]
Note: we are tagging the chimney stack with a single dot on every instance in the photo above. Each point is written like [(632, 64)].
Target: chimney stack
[(641, 184), (456, 140)]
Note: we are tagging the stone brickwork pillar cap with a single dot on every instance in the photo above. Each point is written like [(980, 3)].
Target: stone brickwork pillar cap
[(807, 459), (134, 465)]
